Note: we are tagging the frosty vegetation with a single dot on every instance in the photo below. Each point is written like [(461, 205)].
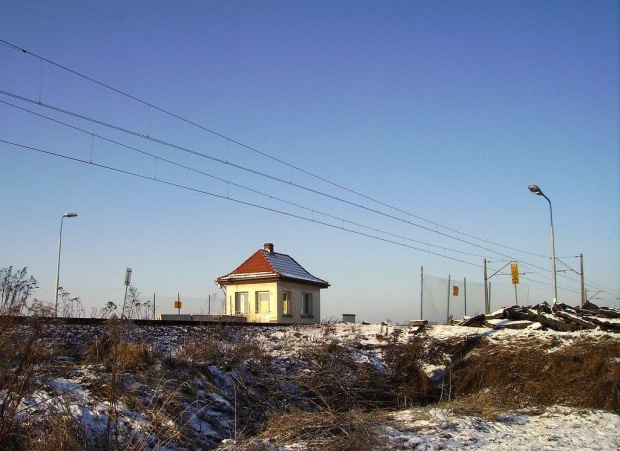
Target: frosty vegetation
[(119, 386)]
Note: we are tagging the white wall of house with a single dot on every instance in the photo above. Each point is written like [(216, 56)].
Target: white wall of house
[(267, 302)]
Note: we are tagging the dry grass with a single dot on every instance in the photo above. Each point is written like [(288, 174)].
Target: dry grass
[(131, 357), (584, 374), (328, 395), (22, 348), (331, 378), (409, 384), (55, 433), (325, 429)]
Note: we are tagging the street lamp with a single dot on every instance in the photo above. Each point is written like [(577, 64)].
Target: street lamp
[(536, 190), (66, 215)]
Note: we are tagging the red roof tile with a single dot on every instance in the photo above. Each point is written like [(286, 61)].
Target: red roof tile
[(264, 265)]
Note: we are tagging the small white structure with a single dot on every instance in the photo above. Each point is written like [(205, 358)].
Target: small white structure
[(273, 287)]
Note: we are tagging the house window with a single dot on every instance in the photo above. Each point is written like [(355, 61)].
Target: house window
[(286, 304), (306, 304), (241, 303), (262, 302)]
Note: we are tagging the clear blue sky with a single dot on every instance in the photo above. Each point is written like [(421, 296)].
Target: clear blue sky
[(444, 110)]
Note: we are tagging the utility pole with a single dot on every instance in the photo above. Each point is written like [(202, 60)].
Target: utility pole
[(465, 294), (449, 287), (583, 287), (127, 282), (421, 291), (487, 306)]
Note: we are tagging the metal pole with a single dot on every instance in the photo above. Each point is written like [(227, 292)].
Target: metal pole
[(154, 306), (58, 270), (66, 215), (179, 301), (448, 315), (516, 298), (536, 190), (421, 291), (209, 305), (465, 294), (487, 304), (124, 301), (553, 274), (583, 288)]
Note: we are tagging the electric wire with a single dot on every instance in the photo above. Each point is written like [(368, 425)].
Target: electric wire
[(244, 168), (232, 199), (134, 133), (253, 149), (262, 207), (264, 154), (228, 182)]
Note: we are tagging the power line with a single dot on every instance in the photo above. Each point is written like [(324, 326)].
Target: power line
[(243, 168), (243, 202), (267, 195), (266, 155), (262, 207), (313, 211)]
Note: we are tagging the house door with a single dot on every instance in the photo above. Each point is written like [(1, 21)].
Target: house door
[(264, 304)]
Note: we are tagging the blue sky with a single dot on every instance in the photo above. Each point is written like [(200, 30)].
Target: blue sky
[(444, 110)]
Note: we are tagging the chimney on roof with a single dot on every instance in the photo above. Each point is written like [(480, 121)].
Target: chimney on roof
[(268, 247)]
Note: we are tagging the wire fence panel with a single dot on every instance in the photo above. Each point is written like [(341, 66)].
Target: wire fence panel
[(149, 307), (443, 297)]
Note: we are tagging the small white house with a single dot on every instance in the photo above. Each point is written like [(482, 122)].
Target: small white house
[(273, 287)]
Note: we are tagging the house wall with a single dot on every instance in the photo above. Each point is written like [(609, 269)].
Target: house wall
[(296, 290), (276, 292)]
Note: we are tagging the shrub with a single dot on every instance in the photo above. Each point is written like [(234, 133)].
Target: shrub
[(325, 429), (584, 374)]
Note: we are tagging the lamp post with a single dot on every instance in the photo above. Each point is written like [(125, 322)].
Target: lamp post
[(536, 190), (66, 215)]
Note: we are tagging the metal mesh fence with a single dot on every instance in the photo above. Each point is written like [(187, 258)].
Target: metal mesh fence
[(149, 307), (443, 297)]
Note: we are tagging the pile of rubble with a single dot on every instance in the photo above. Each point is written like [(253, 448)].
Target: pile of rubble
[(560, 317)]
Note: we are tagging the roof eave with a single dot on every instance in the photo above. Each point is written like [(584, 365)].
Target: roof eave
[(231, 280)]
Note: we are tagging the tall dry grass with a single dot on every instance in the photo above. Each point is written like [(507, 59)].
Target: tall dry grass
[(21, 350), (583, 374), (351, 429)]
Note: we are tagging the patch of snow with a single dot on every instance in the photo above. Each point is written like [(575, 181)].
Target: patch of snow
[(556, 428)]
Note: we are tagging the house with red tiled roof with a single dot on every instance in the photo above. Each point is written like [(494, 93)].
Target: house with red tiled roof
[(273, 287)]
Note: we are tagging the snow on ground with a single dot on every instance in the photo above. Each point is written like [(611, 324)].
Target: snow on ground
[(420, 428), (555, 428)]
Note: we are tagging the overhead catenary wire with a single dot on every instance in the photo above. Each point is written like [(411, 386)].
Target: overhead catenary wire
[(228, 182), (231, 199), (257, 151), (270, 208), (370, 229), (291, 166), (244, 168)]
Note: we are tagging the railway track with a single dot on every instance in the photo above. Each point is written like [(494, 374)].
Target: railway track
[(141, 322)]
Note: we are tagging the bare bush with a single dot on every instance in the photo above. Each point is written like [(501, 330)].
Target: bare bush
[(583, 374), (325, 429), (21, 350), (16, 288), (410, 385), (330, 377)]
